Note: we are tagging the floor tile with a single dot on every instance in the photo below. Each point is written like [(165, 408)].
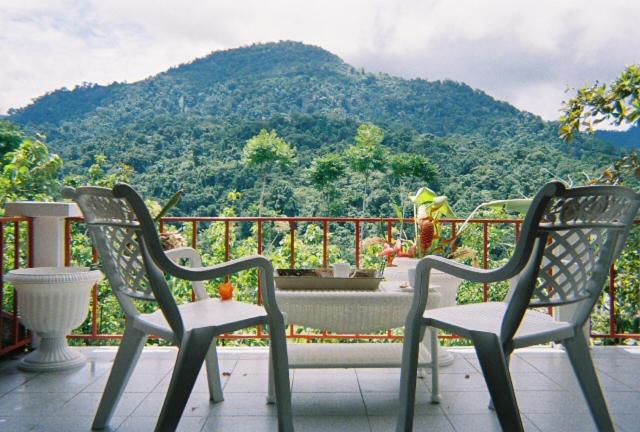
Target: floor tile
[(32, 404), (438, 423), (18, 424), (387, 403), (66, 381), (252, 367), (80, 423), (241, 424), (11, 378), (475, 402), (87, 404), (460, 382), (621, 402), (533, 381), (328, 404), (244, 404), (627, 422), (198, 405), (246, 383), (331, 423), (370, 381), (563, 422), (541, 402), (487, 422), (343, 382), (142, 424), (138, 383), (568, 381)]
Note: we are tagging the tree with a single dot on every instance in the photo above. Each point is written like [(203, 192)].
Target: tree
[(325, 171), (407, 168), (617, 102), (99, 174), (267, 153), (10, 138), (30, 172), (367, 156)]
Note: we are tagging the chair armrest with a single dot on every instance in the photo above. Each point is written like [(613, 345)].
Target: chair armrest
[(195, 260), (219, 270), (466, 272), (185, 253), (462, 271), (225, 269)]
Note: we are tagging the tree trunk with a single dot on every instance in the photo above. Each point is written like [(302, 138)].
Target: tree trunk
[(261, 200)]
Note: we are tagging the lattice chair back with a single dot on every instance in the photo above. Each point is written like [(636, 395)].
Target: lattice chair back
[(115, 230), (579, 235)]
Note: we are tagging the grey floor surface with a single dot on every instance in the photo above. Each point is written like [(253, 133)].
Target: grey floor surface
[(323, 400)]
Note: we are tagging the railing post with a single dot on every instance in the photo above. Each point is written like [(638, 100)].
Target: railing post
[(48, 228)]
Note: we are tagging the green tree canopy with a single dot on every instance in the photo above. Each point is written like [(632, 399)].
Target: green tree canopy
[(367, 156), (30, 172), (267, 152), (617, 102), (10, 138), (408, 168), (325, 172)]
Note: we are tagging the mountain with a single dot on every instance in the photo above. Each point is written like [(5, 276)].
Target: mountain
[(628, 139), (185, 129)]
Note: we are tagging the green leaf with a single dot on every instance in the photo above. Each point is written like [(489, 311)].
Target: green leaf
[(173, 201)]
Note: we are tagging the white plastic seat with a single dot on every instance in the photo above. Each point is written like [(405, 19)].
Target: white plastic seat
[(568, 242), (536, 327), (130, 251), (223, 316)]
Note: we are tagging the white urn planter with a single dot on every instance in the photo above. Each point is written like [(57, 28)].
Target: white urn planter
[(52, 301), (443, 283)]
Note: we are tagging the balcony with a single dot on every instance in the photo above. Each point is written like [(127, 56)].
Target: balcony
[(342, 399)]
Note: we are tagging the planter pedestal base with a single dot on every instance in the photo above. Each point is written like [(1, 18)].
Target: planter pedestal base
[(53, 354)]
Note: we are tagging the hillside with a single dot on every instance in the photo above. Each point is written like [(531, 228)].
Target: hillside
[(185, 128), (629, 138)]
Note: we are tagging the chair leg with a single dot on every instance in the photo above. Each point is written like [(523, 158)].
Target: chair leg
[(496, 375), (213, 374), (126, 359), (578, 352), (408, 377), (280, 365), (271, 393), (435, 367), (193, 350), (507, 358)]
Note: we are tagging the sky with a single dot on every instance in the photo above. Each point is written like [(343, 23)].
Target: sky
[(526, 52)]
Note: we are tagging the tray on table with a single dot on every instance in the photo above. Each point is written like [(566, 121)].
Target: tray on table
[(323, 280)]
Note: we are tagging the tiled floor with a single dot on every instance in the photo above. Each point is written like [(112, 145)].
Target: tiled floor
[(323, 400)]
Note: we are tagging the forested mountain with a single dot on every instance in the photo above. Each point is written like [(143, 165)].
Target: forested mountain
[(629, 138), (185, 129)]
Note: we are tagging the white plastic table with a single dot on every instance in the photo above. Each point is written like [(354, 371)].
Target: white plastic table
[(351, 312)]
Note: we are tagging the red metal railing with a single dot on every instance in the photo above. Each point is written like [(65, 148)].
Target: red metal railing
[(15, 234), (325, 223)]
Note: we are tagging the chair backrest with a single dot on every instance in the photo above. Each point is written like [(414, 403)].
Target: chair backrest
[(579, 234), (115, 230)]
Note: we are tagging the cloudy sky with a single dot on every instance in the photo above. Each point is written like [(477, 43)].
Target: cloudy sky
[(525, 52)]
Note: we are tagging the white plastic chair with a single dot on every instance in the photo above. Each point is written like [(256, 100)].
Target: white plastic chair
[(125, 236), (569, 240)]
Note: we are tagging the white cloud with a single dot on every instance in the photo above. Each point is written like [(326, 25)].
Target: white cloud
[(523, 52)]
